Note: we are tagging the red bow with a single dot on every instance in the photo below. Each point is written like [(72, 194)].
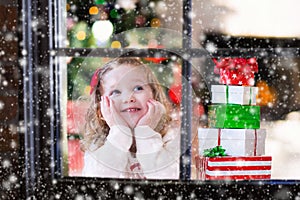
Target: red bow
[(94, 80)]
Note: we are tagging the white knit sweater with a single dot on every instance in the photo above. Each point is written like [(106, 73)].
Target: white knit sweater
[(156, 157)]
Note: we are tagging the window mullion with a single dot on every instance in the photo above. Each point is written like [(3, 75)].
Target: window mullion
[(186, 105)]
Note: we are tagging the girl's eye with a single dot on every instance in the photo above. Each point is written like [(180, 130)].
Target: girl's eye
[(114, 92), (138, 88)]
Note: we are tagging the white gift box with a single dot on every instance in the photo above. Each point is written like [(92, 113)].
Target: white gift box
[(243, 95), (236, 142)]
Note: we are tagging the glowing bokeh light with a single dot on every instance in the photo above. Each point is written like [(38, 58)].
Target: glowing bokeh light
[(102, 30), (116, 44), (155, 22), (81, 35), (93, 10)]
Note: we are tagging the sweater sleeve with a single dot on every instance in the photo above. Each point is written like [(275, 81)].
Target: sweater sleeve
[(109, 160), (159, 157)]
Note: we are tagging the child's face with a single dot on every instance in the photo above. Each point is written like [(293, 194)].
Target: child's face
[(128, 88)]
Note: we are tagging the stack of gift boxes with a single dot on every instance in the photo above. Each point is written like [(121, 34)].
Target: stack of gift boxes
[(233, 145)]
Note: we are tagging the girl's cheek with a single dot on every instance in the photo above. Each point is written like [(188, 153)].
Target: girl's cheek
[(114, 97), (117, 100)]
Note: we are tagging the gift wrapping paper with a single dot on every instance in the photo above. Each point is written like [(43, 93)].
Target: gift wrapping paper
[(235, 77), (229, 94), (233, 116), (237, 142), (236, 71), (233, 168)]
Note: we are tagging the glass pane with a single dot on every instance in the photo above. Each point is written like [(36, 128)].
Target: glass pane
[(271, 25), (246, 18), (277, 83), (94, 23), (79, 98)]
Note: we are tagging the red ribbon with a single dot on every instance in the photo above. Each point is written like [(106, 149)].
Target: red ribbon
[(255, 142), (202, 168), (94, 80), (219, 137), (135, 165)]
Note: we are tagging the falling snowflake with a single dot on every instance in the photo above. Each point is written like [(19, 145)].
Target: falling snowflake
[(1, 105)]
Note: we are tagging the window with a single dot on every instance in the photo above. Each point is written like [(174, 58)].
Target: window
[(62, 48)]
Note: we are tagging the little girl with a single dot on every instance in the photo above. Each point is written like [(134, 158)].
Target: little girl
[(129, 131)]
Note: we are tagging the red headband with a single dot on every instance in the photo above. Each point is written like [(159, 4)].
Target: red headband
[(94, 80)]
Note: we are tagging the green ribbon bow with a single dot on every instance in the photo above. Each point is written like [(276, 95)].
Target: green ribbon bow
[(214, 152)]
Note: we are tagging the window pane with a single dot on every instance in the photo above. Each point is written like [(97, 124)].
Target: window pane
[(247, 18), (237, 25), (78, 99), (94, 23)]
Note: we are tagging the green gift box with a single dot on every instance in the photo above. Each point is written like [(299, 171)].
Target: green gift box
[(234, 116)]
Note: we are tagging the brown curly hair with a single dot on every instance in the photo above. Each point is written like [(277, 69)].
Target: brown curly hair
[(96, 128)]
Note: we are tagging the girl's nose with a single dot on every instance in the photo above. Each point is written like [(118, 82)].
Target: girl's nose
[(130, 99)]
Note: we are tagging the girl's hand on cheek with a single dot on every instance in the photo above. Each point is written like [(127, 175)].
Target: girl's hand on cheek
[(110, 114), (152, 117)]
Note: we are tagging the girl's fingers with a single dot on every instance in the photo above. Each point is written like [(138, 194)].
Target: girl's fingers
[(159, 108), (106, 111), (111, 106), (107, 100), (115, 114), (153, 115), (151, 108), (102, 105)]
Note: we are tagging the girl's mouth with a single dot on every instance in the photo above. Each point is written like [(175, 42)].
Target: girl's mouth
[(131, 110)]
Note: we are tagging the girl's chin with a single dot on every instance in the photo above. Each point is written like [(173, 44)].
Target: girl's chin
[(132, 124)]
